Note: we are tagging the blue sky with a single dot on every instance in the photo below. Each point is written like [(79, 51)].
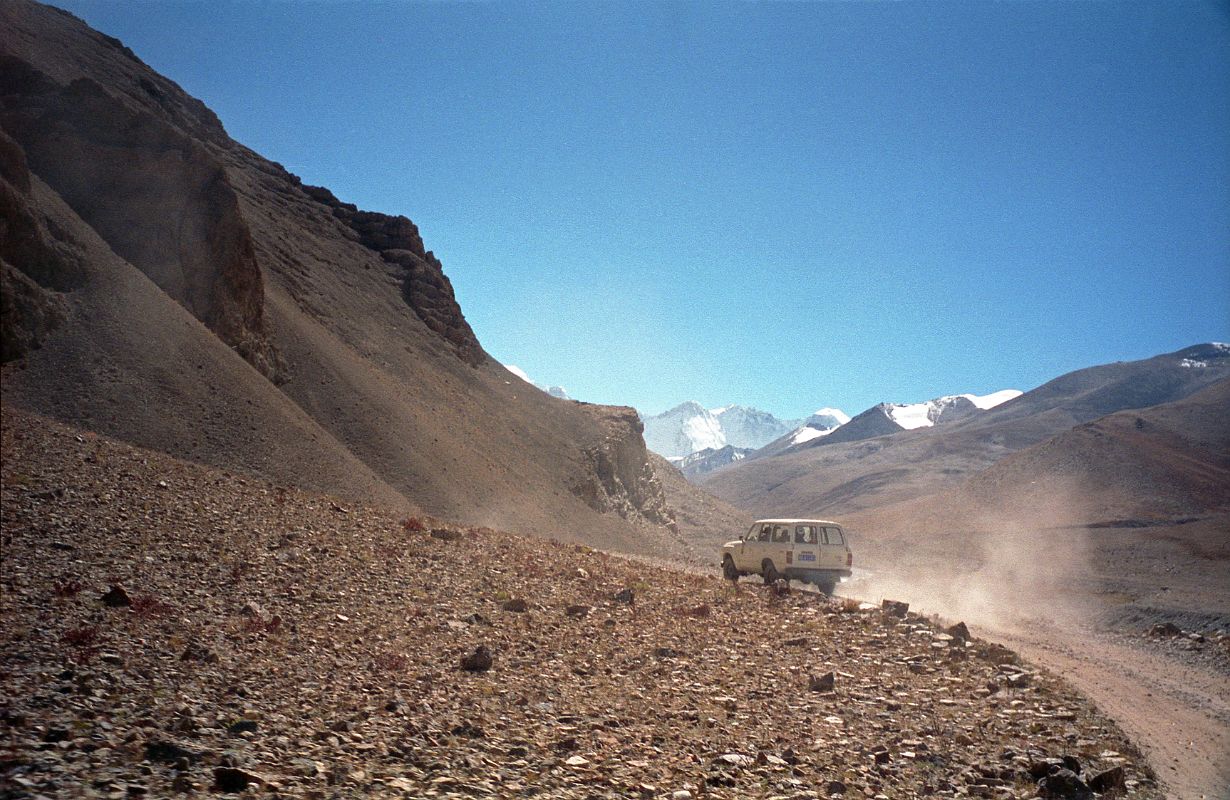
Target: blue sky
[(780, 205)]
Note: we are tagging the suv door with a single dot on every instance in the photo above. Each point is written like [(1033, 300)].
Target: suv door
[(781, 551), (755, 545), (832, 548)]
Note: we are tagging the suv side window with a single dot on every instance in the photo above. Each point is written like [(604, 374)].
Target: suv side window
[(781, 533), (804, 534), (765, 533), (833, 536)]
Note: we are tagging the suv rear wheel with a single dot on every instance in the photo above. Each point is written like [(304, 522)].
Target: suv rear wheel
[(769, 572)]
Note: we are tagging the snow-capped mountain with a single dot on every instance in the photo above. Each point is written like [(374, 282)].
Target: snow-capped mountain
[(690, 428), (750, 428), (554, 391), (707, 460), (886, 418), (685, 429), (949, 408), (823, 422)]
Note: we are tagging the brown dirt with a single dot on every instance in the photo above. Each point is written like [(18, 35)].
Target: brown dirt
[(314, 647)]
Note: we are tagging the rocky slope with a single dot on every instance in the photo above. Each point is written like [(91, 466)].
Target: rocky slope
[(168, 628), (829, 476), (1159, 467), (165, 285)]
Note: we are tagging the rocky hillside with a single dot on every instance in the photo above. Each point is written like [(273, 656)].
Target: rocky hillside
[(165, 285), (1165, 465), (829, 476), (171, 629)]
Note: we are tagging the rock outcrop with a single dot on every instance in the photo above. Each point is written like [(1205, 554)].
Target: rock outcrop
[(34, 268), (424, 286), (159, 199), (618, 476)]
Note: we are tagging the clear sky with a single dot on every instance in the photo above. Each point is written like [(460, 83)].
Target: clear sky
[(780, 205)]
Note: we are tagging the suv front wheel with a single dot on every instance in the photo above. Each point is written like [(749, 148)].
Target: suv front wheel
[(728, 569)]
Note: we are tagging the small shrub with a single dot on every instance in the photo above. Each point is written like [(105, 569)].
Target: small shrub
[(67, 588), (148, 605), (413, 525), (261, 625), (391, 662), (83, 641)]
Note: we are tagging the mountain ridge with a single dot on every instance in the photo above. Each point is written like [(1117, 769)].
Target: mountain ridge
[(878, 464), (216, 308)]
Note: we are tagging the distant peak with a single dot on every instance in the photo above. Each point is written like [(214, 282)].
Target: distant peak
[(520, 373), (689, 406), (833, 413), (993, 399)]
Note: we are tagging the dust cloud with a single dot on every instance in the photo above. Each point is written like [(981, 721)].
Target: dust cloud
[(1017, 566)]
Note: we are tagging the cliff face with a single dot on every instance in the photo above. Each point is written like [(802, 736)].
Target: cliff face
[(618, 476), (34, 268), (159, 199), (424, 286)]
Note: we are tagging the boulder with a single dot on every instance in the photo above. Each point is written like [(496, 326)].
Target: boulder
[(478, 661)]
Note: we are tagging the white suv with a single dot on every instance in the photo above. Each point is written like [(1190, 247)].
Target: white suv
[(808, 550)]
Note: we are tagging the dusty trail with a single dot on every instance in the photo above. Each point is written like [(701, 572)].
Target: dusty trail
[(1177, 713)]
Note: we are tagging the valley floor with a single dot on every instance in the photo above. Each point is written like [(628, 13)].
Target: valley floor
[(304, 647)]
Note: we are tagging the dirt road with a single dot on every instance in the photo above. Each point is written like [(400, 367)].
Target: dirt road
[(1087, 618), (1178, 713)]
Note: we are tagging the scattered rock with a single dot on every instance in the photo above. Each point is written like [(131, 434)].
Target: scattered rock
[(626, 596), (780, 588), (1111, 780), (478, 661), (895, 608), (446, 534), (517, 605), (385, 704), (822, 683), (116, 597), (234, 779), (959, 632), (1064, 784)]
